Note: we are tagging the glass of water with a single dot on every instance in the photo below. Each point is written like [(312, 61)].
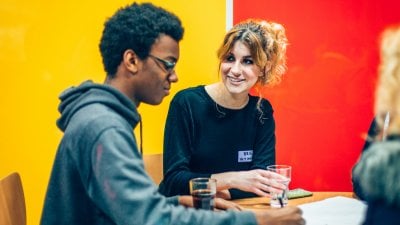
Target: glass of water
[(279, 200)]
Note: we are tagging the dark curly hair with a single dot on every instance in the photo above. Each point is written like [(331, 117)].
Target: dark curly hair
[(136, 27)]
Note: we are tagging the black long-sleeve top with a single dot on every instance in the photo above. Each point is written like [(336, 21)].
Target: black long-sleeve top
[(203, 138)]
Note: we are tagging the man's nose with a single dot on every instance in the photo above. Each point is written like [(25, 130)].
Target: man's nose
[(173, 77)]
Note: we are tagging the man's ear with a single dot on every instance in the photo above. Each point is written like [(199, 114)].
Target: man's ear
[(131, 61)]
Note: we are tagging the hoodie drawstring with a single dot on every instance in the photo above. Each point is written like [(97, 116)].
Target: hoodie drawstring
[(141, 135)]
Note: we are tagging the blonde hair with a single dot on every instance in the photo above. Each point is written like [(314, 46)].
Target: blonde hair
[(267, 44), (388, 89)]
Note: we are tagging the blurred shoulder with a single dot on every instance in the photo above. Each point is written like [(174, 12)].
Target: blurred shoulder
[(379, 170)]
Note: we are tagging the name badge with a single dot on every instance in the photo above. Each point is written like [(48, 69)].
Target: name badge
[(245, 156)]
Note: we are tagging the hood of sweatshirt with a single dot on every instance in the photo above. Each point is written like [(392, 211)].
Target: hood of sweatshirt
[(75, 98), (378, 172)]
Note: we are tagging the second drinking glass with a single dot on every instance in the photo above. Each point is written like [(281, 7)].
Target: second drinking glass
[(203, 192)]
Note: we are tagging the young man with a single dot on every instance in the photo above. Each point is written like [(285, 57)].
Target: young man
[(98, 175)]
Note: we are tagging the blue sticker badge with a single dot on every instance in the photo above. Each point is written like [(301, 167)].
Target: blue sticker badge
[(245, 156)]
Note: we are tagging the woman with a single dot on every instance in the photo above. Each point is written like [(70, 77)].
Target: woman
[(221, 131), (377, 173)]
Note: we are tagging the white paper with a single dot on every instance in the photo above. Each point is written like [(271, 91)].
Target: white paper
[(334, 211)]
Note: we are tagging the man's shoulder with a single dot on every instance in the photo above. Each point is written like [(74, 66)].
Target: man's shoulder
[(97, 118)]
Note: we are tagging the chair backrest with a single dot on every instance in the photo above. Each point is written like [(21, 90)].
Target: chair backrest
[(12, 201), (153, 164)]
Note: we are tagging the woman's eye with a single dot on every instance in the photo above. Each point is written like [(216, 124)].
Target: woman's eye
[(248, 61), (230, 58)]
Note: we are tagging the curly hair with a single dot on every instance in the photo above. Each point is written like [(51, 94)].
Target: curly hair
[(388, 89), (136, 27), (267, 44)]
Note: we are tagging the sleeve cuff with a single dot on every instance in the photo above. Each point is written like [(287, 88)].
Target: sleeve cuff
[(173, 200), (237, 194)]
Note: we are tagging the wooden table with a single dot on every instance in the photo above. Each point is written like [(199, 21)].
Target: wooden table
[(262, 203)]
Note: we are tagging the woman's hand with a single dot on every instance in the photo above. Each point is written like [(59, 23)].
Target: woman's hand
[(258, 181), (225, 194)]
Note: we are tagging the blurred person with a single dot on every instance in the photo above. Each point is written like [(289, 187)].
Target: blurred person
[(98, 175), (377, 173), (220, 130), (375, 134)]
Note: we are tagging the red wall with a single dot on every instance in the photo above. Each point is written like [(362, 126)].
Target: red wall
[(325, 103)]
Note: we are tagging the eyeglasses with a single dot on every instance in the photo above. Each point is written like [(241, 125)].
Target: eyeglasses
[(168, 66)]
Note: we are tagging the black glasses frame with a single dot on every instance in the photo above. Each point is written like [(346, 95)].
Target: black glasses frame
[(168, 66)]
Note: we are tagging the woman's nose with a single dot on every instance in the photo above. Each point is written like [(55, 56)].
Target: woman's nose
[(236, 68)]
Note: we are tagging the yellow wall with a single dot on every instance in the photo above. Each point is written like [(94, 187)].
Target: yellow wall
[(47, 45)]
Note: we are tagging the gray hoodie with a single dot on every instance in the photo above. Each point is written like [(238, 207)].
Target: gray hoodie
[(98, 175), (378, 176)]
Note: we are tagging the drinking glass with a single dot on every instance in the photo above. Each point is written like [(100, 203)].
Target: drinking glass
[(203, 192), (280, 199)]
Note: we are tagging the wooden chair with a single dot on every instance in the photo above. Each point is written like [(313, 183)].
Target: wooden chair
[(12, 201), (153, 164)]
